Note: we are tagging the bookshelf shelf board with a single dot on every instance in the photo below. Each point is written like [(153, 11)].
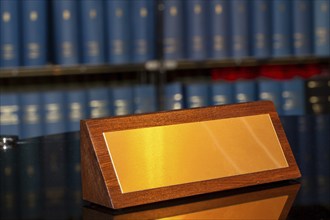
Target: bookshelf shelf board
[(56, 70), (192, 64), (154, 65)]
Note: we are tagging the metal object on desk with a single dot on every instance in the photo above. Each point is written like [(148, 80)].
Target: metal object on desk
[(8, 141)]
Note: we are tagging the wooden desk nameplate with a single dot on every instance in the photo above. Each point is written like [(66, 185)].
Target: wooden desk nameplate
[(140, 159)]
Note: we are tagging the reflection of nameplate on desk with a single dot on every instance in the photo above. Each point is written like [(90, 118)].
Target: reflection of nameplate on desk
[(139, 159), (271, 201)]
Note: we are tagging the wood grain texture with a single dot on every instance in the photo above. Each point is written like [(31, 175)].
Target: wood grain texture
[(93, 184), (100, 169)]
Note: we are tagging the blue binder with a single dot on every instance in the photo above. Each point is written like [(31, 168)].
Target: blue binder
[(281, 28), (143, 31), (9, 114), (195, 37), (65, 22), (92, 31), (144, 98), (302, 27), (222, 93), (9, 34), (321, 27), (173, 30), (239, 17), (31, 114), (34, 32), (122, 100), (218, 29), (261, 28), (196, 95), (118, 31), (173, 96)]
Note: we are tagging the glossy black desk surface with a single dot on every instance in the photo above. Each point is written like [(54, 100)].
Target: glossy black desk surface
[(40, 179)]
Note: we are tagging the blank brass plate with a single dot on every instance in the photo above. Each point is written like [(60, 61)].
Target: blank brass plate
[(147, 158)]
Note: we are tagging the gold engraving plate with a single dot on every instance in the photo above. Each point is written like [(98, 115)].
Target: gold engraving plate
[(160, 156)]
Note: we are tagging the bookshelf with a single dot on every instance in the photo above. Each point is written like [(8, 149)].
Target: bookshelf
[(154, 42), (110, 48), (170, 76)]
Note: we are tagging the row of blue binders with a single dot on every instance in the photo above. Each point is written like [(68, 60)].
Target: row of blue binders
[(30, 112), (70, 32)]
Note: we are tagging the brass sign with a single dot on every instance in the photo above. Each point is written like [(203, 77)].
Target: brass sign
[(190, 152)]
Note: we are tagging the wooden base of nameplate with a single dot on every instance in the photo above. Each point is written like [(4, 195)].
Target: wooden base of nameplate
[(140, 159)]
